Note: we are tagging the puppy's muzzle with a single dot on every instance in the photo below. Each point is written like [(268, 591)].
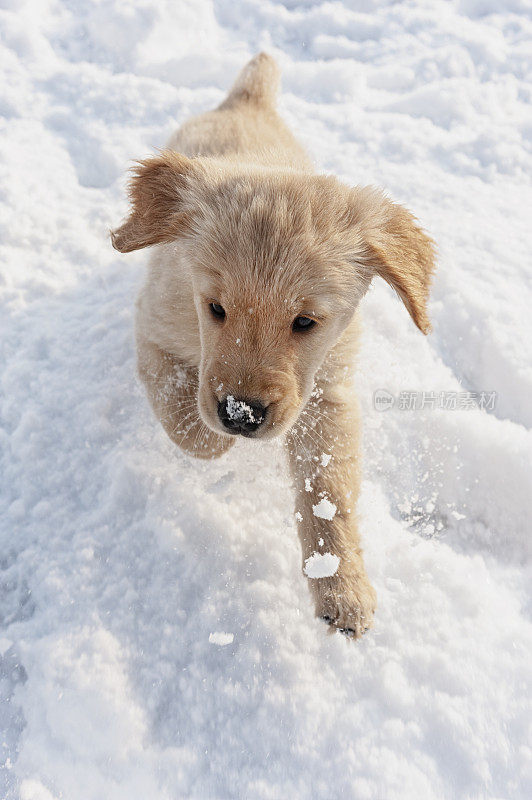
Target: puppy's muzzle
[(239, 415)]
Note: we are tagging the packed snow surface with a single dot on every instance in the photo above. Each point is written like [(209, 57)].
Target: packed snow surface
[(120, 555), (321, 565)]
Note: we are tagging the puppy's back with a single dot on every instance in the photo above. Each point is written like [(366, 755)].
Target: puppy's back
[(245, 126)]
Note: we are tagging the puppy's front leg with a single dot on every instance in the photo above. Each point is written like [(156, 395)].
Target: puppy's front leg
[(323, 459), (172, 389)]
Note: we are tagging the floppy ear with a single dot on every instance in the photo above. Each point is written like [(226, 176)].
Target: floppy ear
[(156, 193), (396, 249)]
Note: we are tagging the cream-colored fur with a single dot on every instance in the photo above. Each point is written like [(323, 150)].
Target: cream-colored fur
[(239, 219)]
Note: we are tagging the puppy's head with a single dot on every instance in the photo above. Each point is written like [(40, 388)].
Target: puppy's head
[(278, 262)]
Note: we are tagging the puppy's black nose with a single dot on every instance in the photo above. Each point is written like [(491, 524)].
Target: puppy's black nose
[(240, 415)]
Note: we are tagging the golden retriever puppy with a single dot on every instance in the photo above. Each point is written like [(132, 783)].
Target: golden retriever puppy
[(247, 323)]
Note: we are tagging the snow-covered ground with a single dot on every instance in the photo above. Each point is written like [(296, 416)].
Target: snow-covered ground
[(158, 638)]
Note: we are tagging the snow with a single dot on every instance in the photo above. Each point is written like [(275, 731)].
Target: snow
[(221, 638), (325, 458), (324, 509), (321, 565), (120, 556), (239, 410), (5, 644)]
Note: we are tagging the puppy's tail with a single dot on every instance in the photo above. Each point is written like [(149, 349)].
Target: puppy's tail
[(258, 83)]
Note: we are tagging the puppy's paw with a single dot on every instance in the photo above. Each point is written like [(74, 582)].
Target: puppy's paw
[(346, 604)]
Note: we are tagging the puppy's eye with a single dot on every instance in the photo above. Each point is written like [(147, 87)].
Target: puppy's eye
[(303, 324), (217, 310)]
